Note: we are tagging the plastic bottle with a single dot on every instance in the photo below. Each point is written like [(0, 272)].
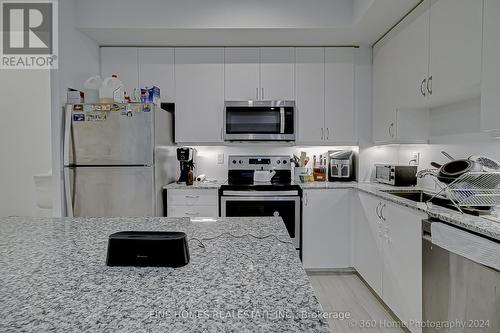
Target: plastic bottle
[(91, 89), (112, 90)]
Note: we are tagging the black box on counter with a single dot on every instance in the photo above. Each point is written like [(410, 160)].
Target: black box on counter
[(148, 248)]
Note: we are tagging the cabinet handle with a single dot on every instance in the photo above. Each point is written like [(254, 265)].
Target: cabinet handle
[(262, 94), (376, 209), (322, 133), (191, 214), (306, 201), (429, 85), (327, 133), (390, 130), (382, 213), (192, 196), (257, 93), (422, 91)]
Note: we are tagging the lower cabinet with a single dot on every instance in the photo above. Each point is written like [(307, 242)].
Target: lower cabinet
[(388, 254), (192, 203), (326, 228)]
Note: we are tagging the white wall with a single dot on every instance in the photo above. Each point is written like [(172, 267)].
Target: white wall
[(24, 138), (78, 60)]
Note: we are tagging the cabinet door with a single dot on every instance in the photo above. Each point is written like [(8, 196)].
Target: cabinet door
[(326, 227), (402, 273), (156, 68), (411, 66), (367, 241), (123, 62), (384, 108), (242, 73), (310, 93), (339, 95), (199, 94), (277, 73), (490, 98), (455, 49)]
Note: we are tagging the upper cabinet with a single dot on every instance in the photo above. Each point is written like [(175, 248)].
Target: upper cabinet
[(324, 92), (199, 94), (310, 93), (242, 77), (455, 50), (490, 85), (277, 73), (156, 68), (339, 95), (433, 57), (123, 62)]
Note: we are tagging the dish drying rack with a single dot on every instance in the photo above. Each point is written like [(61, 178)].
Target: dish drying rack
[(472, 189)]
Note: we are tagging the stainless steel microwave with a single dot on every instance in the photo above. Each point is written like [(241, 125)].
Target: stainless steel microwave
[(259, 121)]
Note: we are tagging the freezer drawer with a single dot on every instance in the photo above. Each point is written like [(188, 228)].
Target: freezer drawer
[(110, 191), (123, 137)]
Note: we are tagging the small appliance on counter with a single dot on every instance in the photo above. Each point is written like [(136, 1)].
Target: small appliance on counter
[(396, 175), (186, 157), (341, 165)]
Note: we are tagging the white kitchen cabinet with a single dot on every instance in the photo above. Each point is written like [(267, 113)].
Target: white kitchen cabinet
[(192, 203), (367, 241), (156, 68), (123, 62), (199, 94), (277, 73), (490, 85), (402, 262), (339, 96), (455, 49), (242, 77), (400, 69), (388, 254), (310, 94), (326, 225)]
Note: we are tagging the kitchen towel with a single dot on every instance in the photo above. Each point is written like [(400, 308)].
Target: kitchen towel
[(466, 244)]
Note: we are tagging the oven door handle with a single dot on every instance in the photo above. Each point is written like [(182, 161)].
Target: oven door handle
[(259, 194)]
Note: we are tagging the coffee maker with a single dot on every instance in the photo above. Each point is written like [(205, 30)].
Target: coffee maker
[(185, 156)]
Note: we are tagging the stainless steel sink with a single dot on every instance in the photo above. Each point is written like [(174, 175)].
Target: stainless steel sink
[(423, 196)]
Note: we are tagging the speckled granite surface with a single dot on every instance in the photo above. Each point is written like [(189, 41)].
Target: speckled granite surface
[(326, 185), (196, 185), (53, 277), (473, 223)]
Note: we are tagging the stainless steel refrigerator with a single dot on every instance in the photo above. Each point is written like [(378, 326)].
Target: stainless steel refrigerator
[(109, 160)]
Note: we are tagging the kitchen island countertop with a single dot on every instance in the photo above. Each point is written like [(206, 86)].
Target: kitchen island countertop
[(54, 277)]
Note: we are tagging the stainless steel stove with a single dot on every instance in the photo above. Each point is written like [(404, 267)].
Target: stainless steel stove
[(244, 196)]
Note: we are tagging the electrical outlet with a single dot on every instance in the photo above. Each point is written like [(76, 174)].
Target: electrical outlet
[(220, 158), (415, 156)]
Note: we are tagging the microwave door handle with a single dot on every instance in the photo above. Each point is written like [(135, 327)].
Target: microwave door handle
[(282, 120)]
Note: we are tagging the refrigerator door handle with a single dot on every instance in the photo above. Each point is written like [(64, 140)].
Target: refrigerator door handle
[(68, 189), (67, 131)]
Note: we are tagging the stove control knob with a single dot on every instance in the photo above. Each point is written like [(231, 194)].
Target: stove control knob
[(234, 161), (278, 161), (240, 162), (284, 161)]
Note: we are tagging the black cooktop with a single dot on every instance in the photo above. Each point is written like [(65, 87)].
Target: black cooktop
[(261, 187)]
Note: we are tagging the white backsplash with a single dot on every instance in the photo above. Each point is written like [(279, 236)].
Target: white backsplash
[(206, 159)]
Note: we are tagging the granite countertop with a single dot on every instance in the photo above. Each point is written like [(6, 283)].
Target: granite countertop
[(474, 223), (53, 277)]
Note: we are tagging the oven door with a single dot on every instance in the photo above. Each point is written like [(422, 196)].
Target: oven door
[(259, 123), (288, 207)]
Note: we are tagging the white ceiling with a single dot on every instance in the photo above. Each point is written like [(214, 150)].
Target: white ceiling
[(238, 22)]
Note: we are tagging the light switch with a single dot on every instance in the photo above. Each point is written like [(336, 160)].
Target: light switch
[(220, 158)]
